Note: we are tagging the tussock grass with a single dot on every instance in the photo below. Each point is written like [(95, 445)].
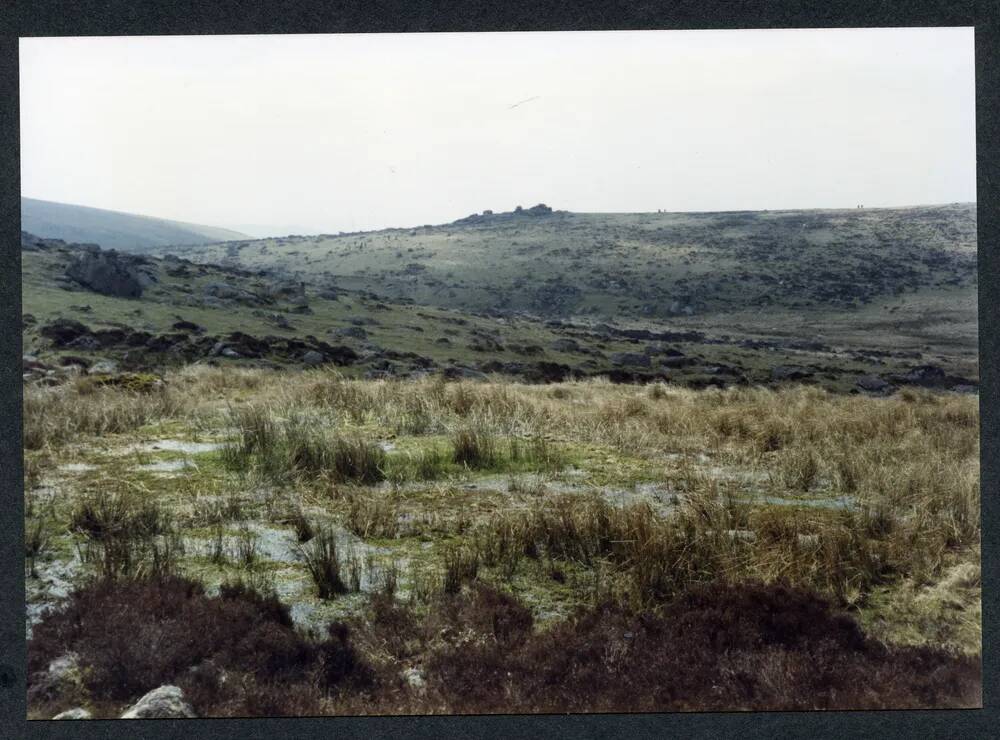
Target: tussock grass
[(124, 534), (285, 450), (906, 468), (53, 416), (371, 514), (426, 464), (323, 560), (36, 540)]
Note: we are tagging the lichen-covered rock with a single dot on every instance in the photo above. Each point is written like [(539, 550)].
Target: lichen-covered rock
[(74, 713), (103, 367), (62, 679), (162, 703), (108, 273)]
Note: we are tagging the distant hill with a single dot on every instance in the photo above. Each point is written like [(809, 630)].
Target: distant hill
[(657, 266), (113, 229)]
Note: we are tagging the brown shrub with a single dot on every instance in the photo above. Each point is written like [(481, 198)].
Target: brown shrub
[(717, 647), (135, 635)]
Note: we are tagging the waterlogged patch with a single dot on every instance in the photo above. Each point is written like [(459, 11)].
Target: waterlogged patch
[(822, 502), (168, 466), (176, 445), (77, 467)]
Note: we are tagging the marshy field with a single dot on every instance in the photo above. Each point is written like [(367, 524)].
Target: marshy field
[(298, 542)]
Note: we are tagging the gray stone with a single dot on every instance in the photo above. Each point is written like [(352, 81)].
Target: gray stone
[(873, 384), (161, 703), (221, 290), (565, 344), (229, 352), (312, 357), (108, 273), (352, 331), (630, 358), (62, 678), (63, 331), (414, 678), (75, 713), (103, 367), (789, 372)]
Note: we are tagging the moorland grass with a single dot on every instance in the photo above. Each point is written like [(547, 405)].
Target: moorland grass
[(906, 467)]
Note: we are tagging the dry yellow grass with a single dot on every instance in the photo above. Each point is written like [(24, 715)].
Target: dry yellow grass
[(908, 464)]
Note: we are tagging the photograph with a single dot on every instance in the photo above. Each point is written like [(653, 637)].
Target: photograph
[(500, 373)]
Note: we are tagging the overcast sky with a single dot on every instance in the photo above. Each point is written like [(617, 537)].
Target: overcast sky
[(342, 132)]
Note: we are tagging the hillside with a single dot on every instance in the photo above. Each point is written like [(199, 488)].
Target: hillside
[(658, 265), (89, 308), (901, 279), (113, 229)]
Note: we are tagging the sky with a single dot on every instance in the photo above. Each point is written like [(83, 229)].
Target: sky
[(323, 133)]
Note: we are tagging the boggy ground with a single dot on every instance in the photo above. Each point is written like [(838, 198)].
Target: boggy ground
[(282, 542)]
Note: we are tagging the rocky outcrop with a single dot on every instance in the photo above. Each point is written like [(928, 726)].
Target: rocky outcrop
[(874, 384), (790, 372), (62, 679), (633, 359), (931, 376), (290, 292), (75, 713), (111, 273), (63, 331), (166, 702)]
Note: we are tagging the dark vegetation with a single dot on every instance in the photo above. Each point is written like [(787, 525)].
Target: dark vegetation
[(717, 646)]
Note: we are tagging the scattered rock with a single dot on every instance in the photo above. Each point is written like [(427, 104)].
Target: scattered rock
[(790, 372), (565, 344), (414, 678), (103, 367), (312, 357), (187, 326), (30, 362), (633, 359), (107, 273), (87, 342), (549, 372), (351, 331), (75, 713), (874, 384), (222, 290), (454, 372), (63, 331), (61, 679), (281, 321), (676, 362), (292, 292), (161, 703)]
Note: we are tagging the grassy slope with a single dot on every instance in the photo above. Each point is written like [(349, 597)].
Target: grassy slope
[(902, 279), (640, 264), (396, 327), (113, 229)]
